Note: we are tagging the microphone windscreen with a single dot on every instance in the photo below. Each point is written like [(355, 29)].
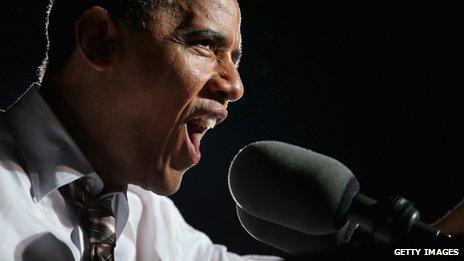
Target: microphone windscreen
[(292, 187), (292, 241)]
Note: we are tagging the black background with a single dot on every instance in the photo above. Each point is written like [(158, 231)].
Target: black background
[(374, 84)]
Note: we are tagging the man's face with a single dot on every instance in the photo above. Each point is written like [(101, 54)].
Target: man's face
[(169, 84)]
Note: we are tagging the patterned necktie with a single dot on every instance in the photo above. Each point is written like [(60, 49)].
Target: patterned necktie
[(96, 218)]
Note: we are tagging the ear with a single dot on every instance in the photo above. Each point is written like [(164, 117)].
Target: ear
[(95, 34)]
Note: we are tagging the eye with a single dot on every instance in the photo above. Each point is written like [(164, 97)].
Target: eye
[(203, 45)]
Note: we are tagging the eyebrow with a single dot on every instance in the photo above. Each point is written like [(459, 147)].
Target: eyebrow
[(215, 36), (206, 33)]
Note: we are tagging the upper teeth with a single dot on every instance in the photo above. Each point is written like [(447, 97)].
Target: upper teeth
[(210, 123)]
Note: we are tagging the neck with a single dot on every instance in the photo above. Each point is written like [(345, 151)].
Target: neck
[(67, 106)]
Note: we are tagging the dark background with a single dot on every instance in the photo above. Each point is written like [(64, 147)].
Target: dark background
[(374, 84)]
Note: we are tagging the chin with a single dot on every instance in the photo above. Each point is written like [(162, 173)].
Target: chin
[(167, 183)]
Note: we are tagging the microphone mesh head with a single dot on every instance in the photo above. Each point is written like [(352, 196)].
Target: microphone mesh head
[(292, 187)]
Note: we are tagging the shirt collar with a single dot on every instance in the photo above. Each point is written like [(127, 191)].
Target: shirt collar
[(51, 157)]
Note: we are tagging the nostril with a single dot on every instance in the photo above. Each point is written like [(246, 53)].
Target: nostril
[(226, 87), (222, 96), (218, 89)]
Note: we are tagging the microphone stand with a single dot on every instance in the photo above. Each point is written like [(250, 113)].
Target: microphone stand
[(384, 226), (395, 221)]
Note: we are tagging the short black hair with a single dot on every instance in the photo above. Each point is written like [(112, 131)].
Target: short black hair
[(63, 14)]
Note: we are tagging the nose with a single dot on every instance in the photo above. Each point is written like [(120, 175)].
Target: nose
[(227, 84)]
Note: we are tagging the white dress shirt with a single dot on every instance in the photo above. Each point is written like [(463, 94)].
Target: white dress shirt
[(37, 156)]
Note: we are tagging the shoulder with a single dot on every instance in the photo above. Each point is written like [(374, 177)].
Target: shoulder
[(5, 135), (10, 165), (14, 181)]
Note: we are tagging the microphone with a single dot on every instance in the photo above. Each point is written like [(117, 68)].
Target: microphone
[(290, 197), (292, 241)]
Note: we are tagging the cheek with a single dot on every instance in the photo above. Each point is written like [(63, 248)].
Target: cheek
[(190, 71), (155, 88)]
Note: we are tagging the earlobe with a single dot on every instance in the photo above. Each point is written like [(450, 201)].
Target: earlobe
[(95, 33)]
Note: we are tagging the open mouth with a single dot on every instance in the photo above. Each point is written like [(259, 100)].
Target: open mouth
[(196, 129), (204, 117)]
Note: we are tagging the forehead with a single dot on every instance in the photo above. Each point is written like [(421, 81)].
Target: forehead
[(221, 12), (219, 15)]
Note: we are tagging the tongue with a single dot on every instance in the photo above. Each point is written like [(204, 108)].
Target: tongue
[(195, 139), (195, 133)]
